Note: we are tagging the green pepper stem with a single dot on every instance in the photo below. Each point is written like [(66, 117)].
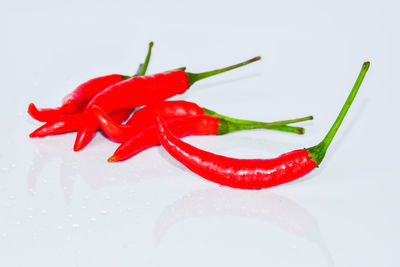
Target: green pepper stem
[(139, 70), (228, 126), (317, 153), (146, 61), (194, 77), (271, 124)]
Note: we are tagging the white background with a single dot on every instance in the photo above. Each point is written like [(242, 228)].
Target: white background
[(62, 208)]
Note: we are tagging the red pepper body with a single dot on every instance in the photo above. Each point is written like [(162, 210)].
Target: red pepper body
[(238, 173), (141, 90), (148, 137), (79, 97)]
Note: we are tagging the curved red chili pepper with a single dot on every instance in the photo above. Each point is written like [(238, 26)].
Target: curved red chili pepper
[(254, 173), (86, 91), (77, 100), (140, 91), (59, 122)]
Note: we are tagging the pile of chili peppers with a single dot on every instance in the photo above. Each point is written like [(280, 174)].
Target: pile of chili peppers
[(133, 111)]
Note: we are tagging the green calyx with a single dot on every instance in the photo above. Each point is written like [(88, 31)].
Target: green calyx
[(229, 125), (317, 153), (194, 77)]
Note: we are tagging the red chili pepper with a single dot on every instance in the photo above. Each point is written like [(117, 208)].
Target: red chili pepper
[(254, 173), (146, 117), (140, 91), (77, 100), (138, 137), (58, 122)]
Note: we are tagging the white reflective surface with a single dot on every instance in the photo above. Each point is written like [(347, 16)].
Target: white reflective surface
[(62, 208)]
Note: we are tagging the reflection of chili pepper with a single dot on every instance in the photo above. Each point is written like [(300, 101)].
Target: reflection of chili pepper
[(140, 91), (58, 122), (145, 117), (138, 138), (254, 173)]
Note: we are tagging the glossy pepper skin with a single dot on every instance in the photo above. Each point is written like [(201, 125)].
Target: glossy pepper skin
[(254, 173), (140, 91)]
